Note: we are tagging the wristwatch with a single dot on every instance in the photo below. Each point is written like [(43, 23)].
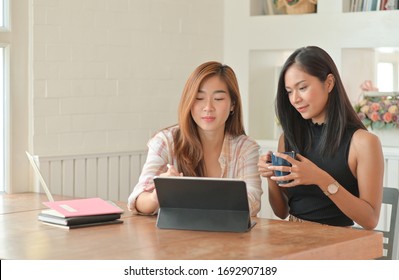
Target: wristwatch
[(332, 189)]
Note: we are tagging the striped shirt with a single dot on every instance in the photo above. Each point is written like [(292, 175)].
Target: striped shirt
[(238, 160)]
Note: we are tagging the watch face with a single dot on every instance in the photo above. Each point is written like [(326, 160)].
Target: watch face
[(333, 188)]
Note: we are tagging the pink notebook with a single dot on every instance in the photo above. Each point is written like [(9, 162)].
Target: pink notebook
[(83, 207)]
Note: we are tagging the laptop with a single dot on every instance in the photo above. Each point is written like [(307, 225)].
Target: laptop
[(74, 207), (198, 203)]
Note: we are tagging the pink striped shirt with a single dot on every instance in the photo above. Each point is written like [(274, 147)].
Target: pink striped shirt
[(238, 159)]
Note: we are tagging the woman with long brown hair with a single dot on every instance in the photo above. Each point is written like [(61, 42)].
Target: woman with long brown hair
[(208, 141)]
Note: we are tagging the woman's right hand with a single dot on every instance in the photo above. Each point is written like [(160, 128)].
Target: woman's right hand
[(263, 165), (172, 171), (150, 189)]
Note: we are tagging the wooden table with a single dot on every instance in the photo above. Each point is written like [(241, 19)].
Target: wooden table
[(22, 236)]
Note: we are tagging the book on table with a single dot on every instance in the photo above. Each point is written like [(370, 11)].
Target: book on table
[(52, 216), (84, 225), (80, 212), (83, 207), (76, 212)]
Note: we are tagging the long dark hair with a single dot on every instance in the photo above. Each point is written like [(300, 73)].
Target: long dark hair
[(187, 147), (340, 114)]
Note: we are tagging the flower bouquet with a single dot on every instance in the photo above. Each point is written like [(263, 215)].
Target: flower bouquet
[(379, 112)]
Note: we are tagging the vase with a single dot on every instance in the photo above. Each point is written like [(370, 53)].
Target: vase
[(388, 137)]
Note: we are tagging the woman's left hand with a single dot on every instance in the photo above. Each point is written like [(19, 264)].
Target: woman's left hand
[(263, 165), (301, 172)]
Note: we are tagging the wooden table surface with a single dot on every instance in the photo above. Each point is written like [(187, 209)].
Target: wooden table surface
[(22, 236)]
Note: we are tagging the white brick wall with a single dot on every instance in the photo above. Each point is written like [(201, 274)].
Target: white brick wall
[(107, 74)]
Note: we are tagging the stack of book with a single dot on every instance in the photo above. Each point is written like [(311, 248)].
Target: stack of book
[(79, 213)]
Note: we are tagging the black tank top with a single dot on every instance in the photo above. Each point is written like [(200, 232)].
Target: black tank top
[(309, 202)]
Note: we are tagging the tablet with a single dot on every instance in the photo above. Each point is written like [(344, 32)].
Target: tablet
[(201, 203)]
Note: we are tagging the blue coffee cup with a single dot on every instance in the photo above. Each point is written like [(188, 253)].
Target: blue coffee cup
[(278, 161)]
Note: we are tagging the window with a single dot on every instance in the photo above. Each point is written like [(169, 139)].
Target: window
[(388, 70), (4, 14), (2, 121), (385, 76), (4, 118)]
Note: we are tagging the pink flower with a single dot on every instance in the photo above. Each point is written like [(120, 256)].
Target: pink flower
[(367, 85), (387, 117), (375, 106), (374, 116)]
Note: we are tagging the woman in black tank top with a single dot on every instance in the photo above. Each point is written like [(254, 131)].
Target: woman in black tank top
[(337, 175)]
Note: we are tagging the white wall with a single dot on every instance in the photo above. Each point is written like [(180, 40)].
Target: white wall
[(99, 76), (107, 74)]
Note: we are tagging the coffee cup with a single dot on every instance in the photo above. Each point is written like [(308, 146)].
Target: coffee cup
[(278, 161)]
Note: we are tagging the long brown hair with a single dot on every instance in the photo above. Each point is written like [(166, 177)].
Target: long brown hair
[(187, 143)]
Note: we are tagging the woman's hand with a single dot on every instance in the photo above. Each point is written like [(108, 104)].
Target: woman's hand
[(302, 171), (265, 161), (152, 192), (147, 201), (172, 171)]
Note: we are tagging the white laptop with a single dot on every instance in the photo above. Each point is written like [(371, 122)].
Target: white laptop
[(39, 175)]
